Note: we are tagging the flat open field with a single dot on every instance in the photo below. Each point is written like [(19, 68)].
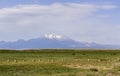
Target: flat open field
[(60, 63)]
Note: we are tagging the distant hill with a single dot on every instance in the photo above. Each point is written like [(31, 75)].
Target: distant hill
[(52, 41)]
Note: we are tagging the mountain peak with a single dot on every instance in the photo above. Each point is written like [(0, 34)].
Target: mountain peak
[(53, 36)]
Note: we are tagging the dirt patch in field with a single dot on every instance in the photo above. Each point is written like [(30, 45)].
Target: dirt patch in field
[(88, 67)]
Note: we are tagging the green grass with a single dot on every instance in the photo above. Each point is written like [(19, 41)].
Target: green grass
[(60, 62)]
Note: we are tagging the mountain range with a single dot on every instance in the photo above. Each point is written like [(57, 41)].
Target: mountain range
[(50, 41)]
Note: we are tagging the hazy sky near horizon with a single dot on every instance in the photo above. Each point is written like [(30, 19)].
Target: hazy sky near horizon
[(82, 20)]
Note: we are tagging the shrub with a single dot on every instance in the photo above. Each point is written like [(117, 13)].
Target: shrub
[(94, 69), (73, 53)]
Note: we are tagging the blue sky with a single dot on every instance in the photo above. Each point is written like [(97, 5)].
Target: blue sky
[(82, 20), (16, 2)]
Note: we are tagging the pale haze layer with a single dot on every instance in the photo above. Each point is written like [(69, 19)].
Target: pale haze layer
[(82, 20)]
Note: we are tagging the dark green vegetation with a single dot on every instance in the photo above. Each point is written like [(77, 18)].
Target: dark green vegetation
[(60, 63)]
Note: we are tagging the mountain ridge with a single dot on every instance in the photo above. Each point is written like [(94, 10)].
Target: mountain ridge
[(52, 41)]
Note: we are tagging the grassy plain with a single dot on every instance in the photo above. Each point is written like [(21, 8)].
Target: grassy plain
[(60, 62)]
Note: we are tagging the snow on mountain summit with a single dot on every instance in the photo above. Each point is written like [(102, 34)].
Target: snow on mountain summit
[(53, 36)]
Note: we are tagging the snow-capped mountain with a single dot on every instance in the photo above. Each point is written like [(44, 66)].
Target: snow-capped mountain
[(54, 36), (50, 41)]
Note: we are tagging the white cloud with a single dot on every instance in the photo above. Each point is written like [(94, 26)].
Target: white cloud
[(72, 19)]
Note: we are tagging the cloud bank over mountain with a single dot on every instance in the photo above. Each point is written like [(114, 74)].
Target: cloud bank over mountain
[(80, 21)]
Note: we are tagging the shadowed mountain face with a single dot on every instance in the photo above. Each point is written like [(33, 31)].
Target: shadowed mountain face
[(51, 41)]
